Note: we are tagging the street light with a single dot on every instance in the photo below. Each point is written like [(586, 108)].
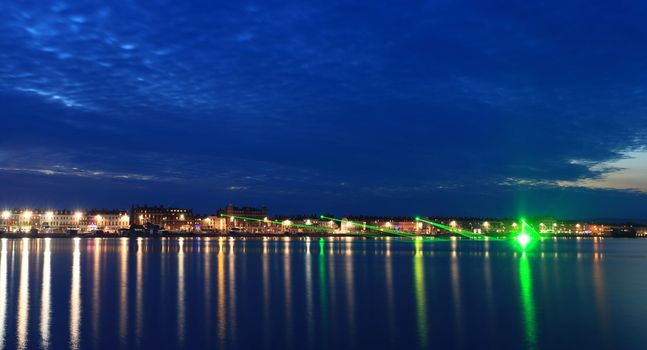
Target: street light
[(6, 215), (49, 216)]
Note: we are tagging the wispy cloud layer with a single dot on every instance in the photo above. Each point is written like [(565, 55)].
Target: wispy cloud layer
[(399, 101)]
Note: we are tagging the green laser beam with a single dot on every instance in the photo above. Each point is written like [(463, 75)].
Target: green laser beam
[(290, 224), (451, 229), (277, 222), (375, 228)]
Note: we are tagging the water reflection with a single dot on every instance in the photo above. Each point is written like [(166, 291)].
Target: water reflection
[(139, 293), (75, 297), (23, 297), (527, 301), (181, 313), (297, 293), (3, 292), (350, 292), (598, 284), (266, 294), (287, 289), (222, 326), (456, 292), (309, 295), (323, 288), (45, 303), (421, 296), (123, 291), (232, 293), (96, 291), (389, 286)]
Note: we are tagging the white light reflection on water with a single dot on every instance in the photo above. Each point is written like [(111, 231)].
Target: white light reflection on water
[(3, 292), (139, 294), (123, 291), (266, 294), (287, 287), (45, 302), (23, 297), (181, 311), (75, 297), (350, 292), (456, 292), (309, 295), (96, 291)]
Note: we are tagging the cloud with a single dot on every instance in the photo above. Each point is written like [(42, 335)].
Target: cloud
[(291, 100), (626, 173)]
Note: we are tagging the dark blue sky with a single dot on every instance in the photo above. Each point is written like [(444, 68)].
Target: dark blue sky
[(381, 107)]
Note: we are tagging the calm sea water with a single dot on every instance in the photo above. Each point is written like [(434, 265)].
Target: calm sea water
[(312, 294)]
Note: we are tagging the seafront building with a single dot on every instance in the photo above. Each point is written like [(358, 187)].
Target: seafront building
[(64, 221), (167, 219)]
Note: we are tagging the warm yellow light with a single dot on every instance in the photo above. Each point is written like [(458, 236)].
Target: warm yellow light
[(486, 224), (49, 215), (78, 215), (98, 218), (308, 222), (453, 223), (27, 214), (287, 223), (388, 224), (6, 214), (125, 218), (182, 217)]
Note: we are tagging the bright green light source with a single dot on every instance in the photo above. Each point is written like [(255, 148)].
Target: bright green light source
[(321, 216), (417, 218), (523, 240)]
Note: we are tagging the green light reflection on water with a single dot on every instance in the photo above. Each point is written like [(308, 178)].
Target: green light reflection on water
[(421, 305), (527, 302)]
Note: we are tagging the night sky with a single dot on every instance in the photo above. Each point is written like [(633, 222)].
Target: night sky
[(483, 108)]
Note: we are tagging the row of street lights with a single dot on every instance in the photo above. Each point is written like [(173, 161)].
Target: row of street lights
[(27, 215)]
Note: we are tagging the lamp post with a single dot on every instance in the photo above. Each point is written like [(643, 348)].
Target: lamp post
[(77, 218), (27, 214), (6, 216)]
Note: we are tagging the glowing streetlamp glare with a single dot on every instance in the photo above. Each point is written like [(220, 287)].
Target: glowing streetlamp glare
[(49, 215), (6, 214), (27, 215), (78, 215)]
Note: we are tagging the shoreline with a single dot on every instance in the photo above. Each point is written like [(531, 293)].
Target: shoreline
[(275, 235)]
